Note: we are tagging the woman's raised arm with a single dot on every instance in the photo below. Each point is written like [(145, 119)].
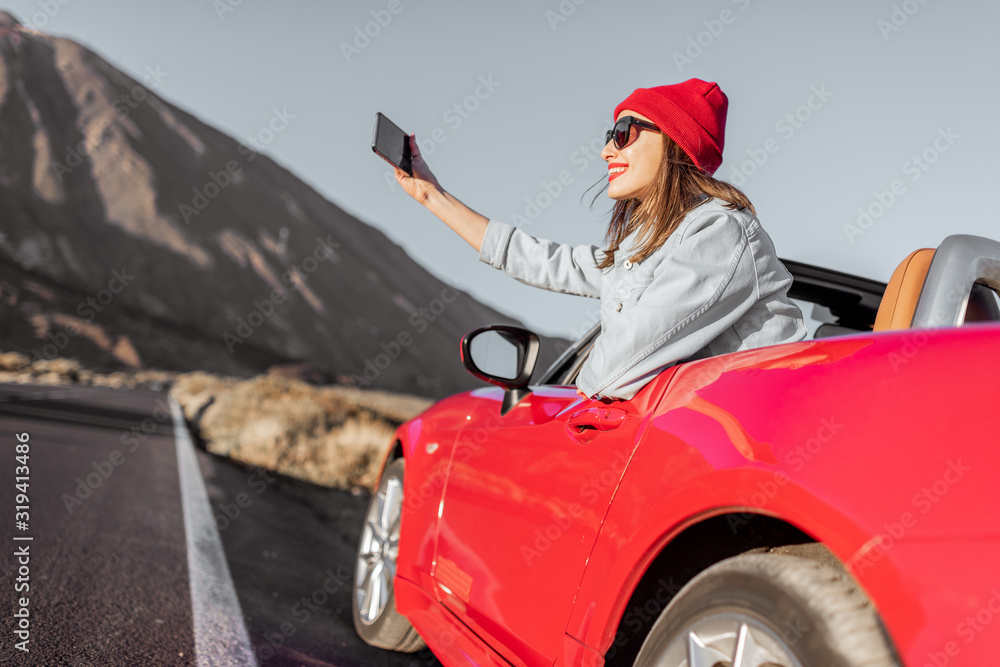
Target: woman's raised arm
[(558, 267), (424, 187)]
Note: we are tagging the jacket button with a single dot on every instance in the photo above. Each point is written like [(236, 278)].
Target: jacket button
[(618, 308), (627, 264)]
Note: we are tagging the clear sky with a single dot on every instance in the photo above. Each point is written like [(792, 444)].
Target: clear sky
[(887, 106)]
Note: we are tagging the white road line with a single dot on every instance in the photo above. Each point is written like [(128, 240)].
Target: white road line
[(220, 636)]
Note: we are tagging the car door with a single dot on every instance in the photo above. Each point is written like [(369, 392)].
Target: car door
[(524, 501)]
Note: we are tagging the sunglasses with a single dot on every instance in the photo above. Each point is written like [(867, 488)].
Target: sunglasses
[(622, 131)]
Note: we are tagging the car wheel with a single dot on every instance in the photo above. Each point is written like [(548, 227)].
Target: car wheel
[(768, 610), (375, 615)]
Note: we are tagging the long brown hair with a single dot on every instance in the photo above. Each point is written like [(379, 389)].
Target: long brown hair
[(677, 190)]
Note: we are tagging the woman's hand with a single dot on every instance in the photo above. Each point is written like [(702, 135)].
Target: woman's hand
[(423, 182), (580, 391)]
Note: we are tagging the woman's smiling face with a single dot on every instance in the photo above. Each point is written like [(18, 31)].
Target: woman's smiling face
[(633, 169)]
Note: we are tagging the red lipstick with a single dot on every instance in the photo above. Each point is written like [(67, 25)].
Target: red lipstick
[(615, 175)]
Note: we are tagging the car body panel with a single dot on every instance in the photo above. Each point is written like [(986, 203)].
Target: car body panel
[(523, 506), (494, 502), (800, 432), (947, 608), (803, 432), (451, 641), (427, 441)]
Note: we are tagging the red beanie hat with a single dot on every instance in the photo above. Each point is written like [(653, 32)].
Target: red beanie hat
[(692, 113)]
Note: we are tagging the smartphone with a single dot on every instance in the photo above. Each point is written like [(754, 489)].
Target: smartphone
[(391, 143)]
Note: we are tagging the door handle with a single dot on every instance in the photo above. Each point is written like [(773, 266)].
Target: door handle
[(598, 419)]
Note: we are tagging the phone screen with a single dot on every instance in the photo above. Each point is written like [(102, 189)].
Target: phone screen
[(391, 143)]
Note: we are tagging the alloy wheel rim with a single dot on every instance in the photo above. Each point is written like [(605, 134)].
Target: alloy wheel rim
[(379, 549), (732, 639)]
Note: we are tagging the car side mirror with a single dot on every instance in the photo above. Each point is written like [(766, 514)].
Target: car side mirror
[(503, 355)]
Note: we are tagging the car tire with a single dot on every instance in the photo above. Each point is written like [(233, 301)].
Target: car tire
[(783, 610), (373, 598)]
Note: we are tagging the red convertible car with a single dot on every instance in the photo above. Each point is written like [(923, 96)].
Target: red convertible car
[(823, 502)]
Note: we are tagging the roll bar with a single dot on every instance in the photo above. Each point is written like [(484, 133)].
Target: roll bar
[(959, 262)]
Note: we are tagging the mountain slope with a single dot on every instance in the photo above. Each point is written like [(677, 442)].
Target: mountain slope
[(136, 235)]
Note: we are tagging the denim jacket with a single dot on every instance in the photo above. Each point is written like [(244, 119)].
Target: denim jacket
[(715, 286)]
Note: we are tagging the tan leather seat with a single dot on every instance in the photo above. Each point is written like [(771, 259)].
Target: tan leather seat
[(895, 311)]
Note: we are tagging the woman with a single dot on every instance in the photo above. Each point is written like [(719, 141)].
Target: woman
[(688, 272)]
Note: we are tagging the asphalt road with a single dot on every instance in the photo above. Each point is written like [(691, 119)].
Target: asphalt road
[(122, 566)]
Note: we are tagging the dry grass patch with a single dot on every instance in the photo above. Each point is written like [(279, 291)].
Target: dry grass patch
[(334, 436), (19, 368)]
